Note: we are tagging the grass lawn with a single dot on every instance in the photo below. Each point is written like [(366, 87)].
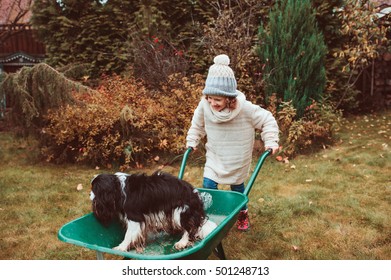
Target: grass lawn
[(332, 204)]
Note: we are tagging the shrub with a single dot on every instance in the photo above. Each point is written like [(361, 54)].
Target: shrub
[(122, 124), (155, 59), (32, 91), (315, 129)]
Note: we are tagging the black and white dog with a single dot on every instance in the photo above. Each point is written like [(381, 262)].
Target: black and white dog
[(147, 204)]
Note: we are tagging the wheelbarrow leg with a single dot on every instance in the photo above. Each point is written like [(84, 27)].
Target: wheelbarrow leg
[(219, 251), (99, 255)]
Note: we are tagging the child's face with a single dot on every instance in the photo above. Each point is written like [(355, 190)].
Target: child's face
[(218, 103)]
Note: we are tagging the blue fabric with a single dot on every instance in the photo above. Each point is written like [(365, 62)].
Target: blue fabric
[(238, 188), (210, 184)]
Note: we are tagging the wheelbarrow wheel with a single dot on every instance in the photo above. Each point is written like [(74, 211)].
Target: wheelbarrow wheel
[(219, 252)]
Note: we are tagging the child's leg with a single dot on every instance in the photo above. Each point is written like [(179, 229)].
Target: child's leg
[(209, 184), (239, 188), (243, 223)]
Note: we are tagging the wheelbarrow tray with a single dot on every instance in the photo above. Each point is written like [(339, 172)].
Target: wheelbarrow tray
[(87, 232)]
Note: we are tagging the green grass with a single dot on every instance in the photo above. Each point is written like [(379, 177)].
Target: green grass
[(333, 204)]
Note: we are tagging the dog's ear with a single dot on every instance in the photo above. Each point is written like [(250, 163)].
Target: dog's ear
[(105, 204), (104, 209)]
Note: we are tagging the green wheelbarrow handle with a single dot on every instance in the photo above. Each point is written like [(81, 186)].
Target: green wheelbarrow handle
[(183, 165), (254, 175)]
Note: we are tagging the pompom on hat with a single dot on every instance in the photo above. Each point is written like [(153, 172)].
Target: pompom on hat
[(221, 79)]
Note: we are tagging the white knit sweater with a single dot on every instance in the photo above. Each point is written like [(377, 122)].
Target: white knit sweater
[(230, 138)]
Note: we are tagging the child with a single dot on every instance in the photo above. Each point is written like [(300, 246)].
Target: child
[(229, 121)]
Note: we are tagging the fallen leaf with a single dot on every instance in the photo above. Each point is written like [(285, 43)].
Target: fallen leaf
[(79, 187), (295, 248), (163, 144)]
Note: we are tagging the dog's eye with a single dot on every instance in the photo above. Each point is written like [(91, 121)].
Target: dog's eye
[(92, 195)]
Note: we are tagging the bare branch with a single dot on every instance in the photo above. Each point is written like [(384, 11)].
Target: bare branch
[(12, 17)]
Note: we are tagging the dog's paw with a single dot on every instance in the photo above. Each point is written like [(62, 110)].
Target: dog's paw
[(182, 245), (127, 248), (121, 248), (139, 250)]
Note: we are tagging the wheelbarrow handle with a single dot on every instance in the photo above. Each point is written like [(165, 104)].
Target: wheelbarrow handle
[(252, 178), (254, 175), (183, 164)]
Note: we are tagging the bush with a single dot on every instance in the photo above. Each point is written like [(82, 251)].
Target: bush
[(122, 124), (156, 59), (32, 91), (315, 129)]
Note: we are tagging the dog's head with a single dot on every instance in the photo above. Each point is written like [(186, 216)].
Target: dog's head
[(106, 197)]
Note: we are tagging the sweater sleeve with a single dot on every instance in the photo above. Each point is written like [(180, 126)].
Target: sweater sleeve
[(267, 124), (197, 129)]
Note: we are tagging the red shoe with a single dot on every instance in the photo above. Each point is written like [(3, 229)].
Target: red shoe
[(243, 222)]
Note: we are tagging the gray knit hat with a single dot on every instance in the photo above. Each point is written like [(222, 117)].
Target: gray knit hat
[(221, 79)]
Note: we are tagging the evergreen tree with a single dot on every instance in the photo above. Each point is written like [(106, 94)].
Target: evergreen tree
[(103, 34), (32, 91), (293, 51), (84, 31)]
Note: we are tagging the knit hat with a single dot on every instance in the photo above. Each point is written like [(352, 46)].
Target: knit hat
[(221, 79)]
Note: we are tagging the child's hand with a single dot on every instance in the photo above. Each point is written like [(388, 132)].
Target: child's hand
[(274, 149)]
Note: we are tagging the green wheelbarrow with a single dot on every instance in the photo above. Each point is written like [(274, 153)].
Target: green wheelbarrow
[(87, 232)]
